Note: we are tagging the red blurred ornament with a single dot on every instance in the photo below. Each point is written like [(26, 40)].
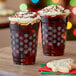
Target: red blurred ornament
[(74, 32)]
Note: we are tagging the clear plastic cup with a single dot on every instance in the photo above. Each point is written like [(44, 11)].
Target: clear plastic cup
[(54, 35), (24, 43)]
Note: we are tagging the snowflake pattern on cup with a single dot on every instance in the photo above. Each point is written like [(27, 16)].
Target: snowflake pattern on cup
[(23, 45), (52, 36)]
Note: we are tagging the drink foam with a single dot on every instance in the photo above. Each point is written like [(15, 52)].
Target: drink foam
[(26, 17), (53, 11)]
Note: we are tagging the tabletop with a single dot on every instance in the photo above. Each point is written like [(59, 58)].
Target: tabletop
[(6, 62)]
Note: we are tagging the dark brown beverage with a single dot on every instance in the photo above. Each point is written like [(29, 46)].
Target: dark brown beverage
[(53, 30), (24, 39)]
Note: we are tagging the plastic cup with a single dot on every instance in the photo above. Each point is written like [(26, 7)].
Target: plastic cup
[(24, 43), (53, 35)]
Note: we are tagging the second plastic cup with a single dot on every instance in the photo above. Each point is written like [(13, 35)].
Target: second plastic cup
[(54, 35)]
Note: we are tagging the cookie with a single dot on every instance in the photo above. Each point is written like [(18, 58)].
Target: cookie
[(62, 65)]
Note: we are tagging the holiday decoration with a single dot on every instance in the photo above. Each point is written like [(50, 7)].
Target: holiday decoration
[(74, 32), (71, 34), (52, 2), (35, 5), (69, 25), (55, 1), (35, 1), (74, 10), (23, 7), (73, 2)]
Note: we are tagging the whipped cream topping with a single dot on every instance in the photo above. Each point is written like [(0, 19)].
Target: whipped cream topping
[(26, 17), (54, 10)]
